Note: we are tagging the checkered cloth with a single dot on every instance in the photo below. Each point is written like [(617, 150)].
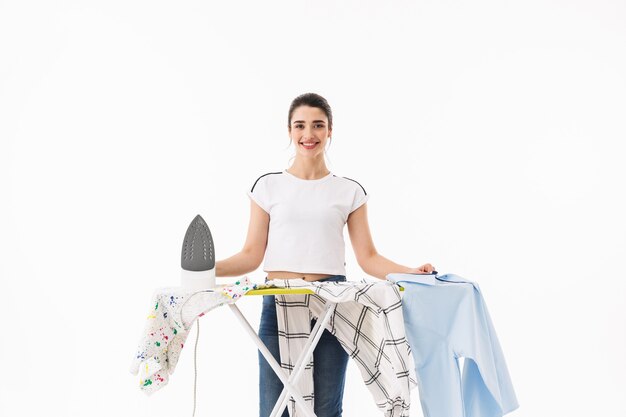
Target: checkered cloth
[(367, 322)]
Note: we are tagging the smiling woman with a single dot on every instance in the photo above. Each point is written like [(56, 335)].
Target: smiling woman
[(297, 218), (310, 122)]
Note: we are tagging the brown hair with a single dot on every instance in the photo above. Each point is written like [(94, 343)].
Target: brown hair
[(311, 100)]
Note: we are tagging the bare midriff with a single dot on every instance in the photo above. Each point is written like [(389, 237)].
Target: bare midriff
[(293, 275)]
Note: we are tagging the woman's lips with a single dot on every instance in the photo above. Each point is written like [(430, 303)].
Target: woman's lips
[(307, 146)]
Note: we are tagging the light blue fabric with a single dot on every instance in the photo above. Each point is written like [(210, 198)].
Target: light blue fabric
[(445, 318)]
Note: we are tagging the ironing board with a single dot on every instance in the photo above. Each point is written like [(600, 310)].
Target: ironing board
[(287, 380), (173, 310)]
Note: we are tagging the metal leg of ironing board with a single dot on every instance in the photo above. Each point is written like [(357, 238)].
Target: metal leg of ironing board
[(297, 396), (309, 347)]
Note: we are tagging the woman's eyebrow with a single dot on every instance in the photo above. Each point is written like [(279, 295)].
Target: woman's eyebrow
[(302, 121)]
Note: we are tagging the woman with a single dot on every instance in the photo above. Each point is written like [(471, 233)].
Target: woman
[(296, 223)]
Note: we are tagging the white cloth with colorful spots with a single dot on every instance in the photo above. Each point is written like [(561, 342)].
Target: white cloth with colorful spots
[(172, 313)]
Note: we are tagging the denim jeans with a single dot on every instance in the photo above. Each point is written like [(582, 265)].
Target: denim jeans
[(329, 370)]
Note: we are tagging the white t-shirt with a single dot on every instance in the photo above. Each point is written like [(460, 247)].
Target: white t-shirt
[(306, 220)]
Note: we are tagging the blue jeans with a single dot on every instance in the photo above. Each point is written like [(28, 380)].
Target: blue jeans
[(329, 370)]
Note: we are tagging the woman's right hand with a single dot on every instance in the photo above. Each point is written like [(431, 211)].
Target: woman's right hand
[(424, 269)]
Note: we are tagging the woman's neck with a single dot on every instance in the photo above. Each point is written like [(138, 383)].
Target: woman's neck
[(308, 170)]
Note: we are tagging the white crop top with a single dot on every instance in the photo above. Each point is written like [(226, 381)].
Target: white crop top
[(306, 220)]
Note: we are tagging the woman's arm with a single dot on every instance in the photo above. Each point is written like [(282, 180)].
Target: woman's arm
[(368, 258), (251, 256)]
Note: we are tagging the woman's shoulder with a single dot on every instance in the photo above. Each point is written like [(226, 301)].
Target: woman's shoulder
[(350, 182), (264, 177)]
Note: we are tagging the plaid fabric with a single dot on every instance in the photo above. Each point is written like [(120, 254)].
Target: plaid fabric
[(367, 322)]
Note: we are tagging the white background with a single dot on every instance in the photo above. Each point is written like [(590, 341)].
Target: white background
[(489, 135)]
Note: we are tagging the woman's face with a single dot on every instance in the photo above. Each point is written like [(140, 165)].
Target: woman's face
[(309, 131)]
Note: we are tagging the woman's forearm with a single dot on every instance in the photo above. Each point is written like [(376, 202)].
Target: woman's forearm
[(239, 264), (378, 266)]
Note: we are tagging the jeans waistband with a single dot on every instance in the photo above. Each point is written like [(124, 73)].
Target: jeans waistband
[(333, 278)]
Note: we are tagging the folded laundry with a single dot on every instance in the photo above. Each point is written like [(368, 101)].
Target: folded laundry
[(446, 318)]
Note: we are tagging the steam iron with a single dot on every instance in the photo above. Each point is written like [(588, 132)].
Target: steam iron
[(198, 257)]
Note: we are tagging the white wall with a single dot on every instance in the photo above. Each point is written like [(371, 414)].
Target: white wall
[(487, 134)]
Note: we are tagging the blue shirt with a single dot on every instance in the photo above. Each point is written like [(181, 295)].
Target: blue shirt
[(445, 318)]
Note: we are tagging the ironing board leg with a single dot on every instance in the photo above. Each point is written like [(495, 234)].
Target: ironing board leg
[(309, 347), (308, 412)]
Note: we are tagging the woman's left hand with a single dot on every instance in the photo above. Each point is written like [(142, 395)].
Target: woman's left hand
[(424, 269)]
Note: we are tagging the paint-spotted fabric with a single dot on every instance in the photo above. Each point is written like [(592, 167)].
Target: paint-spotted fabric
[(168, 325), (446, 318), (369, 325)]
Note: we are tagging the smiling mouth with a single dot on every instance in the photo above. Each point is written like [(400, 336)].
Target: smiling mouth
[(309, 145)]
